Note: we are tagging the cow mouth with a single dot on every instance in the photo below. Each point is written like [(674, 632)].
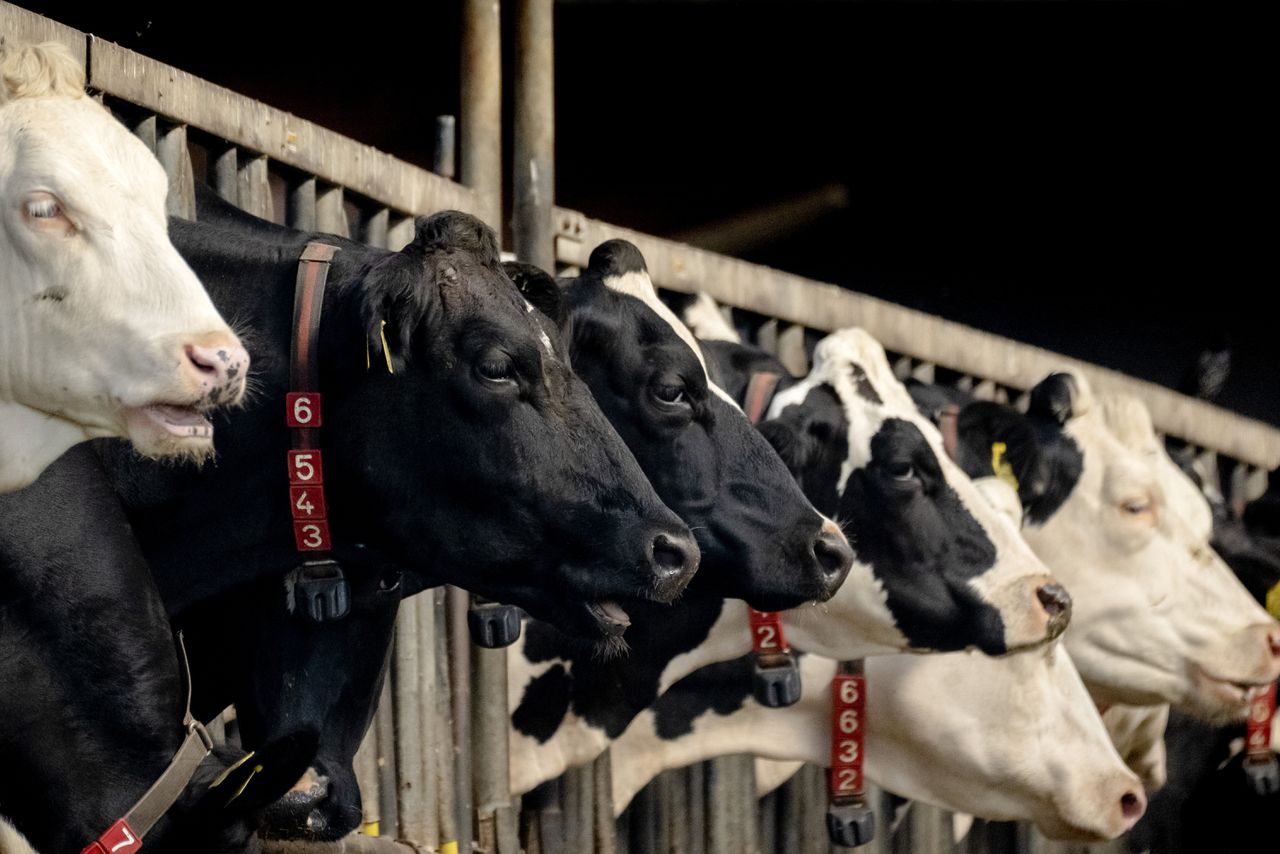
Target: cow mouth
[(609, 616), (1231, 692), (176, 421)]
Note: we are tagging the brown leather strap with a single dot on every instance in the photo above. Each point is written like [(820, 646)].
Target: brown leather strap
[(760, 389), (308, 303)]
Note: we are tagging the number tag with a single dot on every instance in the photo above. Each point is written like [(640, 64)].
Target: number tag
[(307, 502), (1261, 710), (302, 409), (119, 839), (311, 536), (305, 468), (848, 706), (766, 632)]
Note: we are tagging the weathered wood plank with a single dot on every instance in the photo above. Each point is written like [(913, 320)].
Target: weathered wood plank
[(171, 149), (795, 299), (282, 136), (18, 26)]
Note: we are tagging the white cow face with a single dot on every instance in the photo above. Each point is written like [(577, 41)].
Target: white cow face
[(1158, 616), (951, 571), (104, 329)]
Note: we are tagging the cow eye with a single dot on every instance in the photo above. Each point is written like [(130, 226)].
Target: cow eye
[(669, 394), (390, 582), (1136, 506), (496, 368), (44, 211), (901, 472)]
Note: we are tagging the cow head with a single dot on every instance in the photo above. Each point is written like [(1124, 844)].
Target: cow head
[(105, 330), (472, 453), (1159, 618), (761, 539), (937, 561)]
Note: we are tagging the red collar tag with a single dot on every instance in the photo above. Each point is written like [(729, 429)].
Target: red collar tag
[(848, 732), (767, 639), (304, 413), (1257, 743), (119, 839)]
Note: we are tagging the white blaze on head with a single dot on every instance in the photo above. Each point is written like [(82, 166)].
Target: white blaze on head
[(1158, 617), (854, 366), (100, 318)]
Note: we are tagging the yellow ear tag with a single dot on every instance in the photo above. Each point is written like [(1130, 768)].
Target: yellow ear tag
[(1273, 601), (386, 350), (370, 828), (257, 769), (999, 467), (222, 778)]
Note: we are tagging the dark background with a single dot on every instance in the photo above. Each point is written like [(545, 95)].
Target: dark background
[(1088, 177)]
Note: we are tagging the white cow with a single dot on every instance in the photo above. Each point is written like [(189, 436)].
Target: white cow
[(104, 329), (1159, 617), (1010, 739)]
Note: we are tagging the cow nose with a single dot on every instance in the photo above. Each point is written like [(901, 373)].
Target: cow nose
[(1056, 602), (1132, 805), (833, 557), (673, 559), (1273, 641), (216, 364)]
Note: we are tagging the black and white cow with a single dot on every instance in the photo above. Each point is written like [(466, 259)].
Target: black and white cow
[(92, 708), (1159, 618)]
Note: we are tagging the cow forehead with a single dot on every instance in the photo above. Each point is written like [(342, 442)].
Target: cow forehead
[(69, 144), (637, 284)]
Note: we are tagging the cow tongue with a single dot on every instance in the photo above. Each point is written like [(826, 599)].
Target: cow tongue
[(182, 420), (611, 614)]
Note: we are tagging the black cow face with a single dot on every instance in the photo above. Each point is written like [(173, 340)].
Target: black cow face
[(482, 458), (760, 539), (920, 537)]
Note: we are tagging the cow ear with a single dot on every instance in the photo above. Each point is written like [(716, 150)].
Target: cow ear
[(539, 288), (998, 441), (399, 296), (1058, 398)]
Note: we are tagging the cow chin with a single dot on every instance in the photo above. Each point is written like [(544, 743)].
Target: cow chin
[(1218, 702), (313, 810)]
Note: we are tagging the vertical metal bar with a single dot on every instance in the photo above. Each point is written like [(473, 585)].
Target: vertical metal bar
[(533, 162), (366, 768), (767, 336), (602, 786), (171, 150), (375, 228), (697, 836), (226, 175), (400, 233), (458, 641), (791, 350), (410, 747), (331, 212), (145, 130), (445, 163), (719, 814), (441, 771), (481, 105), (384, 725), (255, 187), (301, 212), (489, 728)]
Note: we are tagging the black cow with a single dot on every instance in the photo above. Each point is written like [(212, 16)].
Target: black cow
[(481, 460), (92, 707)]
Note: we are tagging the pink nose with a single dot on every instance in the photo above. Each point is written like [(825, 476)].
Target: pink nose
[(1132, 805), (216, 364), (1273, 641)]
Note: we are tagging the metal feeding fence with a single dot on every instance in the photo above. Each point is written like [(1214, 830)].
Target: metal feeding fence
[(433, 769)]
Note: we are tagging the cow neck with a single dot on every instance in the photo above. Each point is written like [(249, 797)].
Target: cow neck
[(125, 835), (775, 676)]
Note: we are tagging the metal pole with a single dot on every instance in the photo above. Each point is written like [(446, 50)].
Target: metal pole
[(446, 156), (459, 656), (481, 101), (410, 746), (533, 170)]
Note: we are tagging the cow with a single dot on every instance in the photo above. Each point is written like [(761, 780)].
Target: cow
[(1159, 618), (104, 329), (959, 730), (93, 706)]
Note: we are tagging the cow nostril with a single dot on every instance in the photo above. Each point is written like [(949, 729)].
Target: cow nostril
[(834, 557), (1132, 805), (1055, 599), (201, 359), (669, 558)]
